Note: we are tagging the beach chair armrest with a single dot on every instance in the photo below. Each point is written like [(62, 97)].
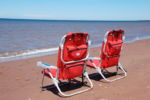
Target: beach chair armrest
[(94, 58), (46, 66)]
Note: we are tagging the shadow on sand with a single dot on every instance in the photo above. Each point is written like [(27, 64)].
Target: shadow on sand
[(75, 84)]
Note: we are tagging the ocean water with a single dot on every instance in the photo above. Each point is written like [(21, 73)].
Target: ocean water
[(21, 38)]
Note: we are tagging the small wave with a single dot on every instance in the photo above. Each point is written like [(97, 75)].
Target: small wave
[(137, 38), (27, 54)]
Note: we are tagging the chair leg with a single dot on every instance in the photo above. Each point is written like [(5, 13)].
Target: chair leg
[(119, 66), (42, 82), (82, 79), (123, 70), (55, 81)]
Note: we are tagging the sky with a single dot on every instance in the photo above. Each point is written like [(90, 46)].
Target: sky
[(76, 9)]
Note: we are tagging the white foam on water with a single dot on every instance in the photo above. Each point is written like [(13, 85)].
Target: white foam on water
[(137, 38), (29, 54)]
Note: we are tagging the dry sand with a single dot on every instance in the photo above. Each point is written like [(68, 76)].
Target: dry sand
[(21, 80)]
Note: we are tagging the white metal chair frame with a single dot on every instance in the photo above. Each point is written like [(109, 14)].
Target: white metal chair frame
[(55, 80)]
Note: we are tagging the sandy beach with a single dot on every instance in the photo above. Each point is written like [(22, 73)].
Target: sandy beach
[(21, 79)]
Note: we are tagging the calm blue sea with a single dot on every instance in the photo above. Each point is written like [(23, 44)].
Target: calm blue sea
[(20, 38)]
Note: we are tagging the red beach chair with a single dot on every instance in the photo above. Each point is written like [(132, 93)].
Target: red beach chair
[(72, 57), (110, 54)]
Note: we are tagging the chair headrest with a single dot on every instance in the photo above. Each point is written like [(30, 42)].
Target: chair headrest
[(72, 34), (117, 34), (77, 37)]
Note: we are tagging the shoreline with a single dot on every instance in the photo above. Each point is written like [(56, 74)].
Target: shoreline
[(21, 79), (48, 51)]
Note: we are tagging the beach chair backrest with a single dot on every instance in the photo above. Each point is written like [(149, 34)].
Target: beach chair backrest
[(72, 54), (111, 48)]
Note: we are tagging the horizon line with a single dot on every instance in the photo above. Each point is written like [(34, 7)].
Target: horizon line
[(36, 19)]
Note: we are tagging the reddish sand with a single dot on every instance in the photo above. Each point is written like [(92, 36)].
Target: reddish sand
[(21, 80)]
